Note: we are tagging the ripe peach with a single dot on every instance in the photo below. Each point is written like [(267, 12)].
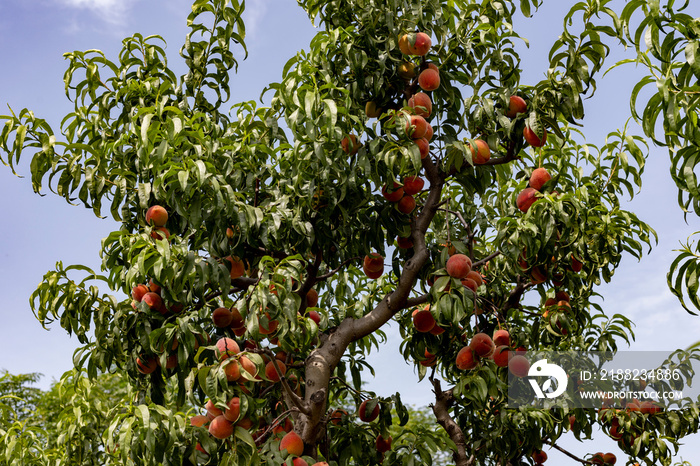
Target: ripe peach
[(609, 458), (519, 365), (212, 410), (458, 266), (421, 104), (406, 204), (533, 139), (423, 146), (272, 374), (232, 371), (466, 359), (429, 133), (416, 126), (266, 325), (292, 443), (395, 194), (421, 46), (146, 364), (423, 319), (153, 300), (404, 243), (471, 284), (299, 462), (539, 177), (597, 458), (526, 198), (412, 185), (320, 463), (337, 416), (476, 276), (248, 366), (236, 266), (383, 445), (350, 144), (312, 298), (221, 427), (199, 420), (138, 292), (233, 409), (315, 316), (160, 233), (516, 106), (482, 344), (221, 317), (237, 320), (430, 359), (157, 216), (562, 296), (372, 110), (364, 415), (539, 456), (226, 347), (576, 265), (538, 275), (373, 262), (501, 337), (429, 79), (437, 330), (482, 154), (500, 356), (649, 407)]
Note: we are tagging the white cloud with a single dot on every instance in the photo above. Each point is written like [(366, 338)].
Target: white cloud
[(253, 15), (110, 11)]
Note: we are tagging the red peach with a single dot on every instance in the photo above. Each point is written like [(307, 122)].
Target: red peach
[(406, 204), (482, 344), (395, 195), (466, 359), (539, 177), (423, 319), (312, 298), (416, 127), (501, 337), (526, 198), (533, 139), (138, 292), (482, 154), (458, 266), (516, 105), (423, 146), (364, 415), (429, 79), (413, 185), (421, 104), (226, 347), (404, 243), (236, 266), (157, 216), (233, 409), (221, 427), (519, 365), (500, 356), (272, 374), (199, 420), (383, 445), (221, 317)]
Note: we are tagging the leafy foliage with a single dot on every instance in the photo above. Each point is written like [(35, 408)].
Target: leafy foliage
[(272, 204)]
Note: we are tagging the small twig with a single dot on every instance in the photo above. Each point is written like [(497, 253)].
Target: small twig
[(486, 259), (325, 276), (567, 453)]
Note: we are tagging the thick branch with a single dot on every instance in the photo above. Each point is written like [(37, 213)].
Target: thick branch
[(443, 401), (323, 360)]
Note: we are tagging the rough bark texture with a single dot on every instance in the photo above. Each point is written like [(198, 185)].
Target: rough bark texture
[(443, 401), (324, 359)]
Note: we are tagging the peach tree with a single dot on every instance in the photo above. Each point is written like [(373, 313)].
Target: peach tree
[(403, 173)]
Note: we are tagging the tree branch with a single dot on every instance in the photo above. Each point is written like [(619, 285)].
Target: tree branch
[(443, 401), (567, 453)]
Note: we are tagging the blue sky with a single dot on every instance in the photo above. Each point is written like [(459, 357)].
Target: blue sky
[(38, 231)]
